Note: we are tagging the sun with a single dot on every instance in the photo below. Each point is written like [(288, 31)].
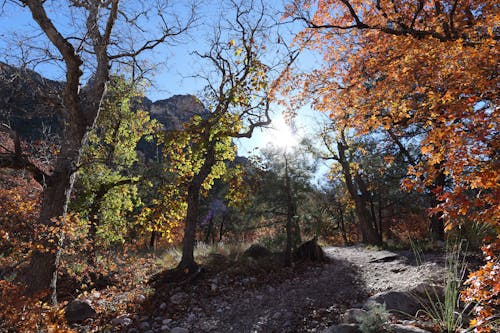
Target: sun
[(279, 134)]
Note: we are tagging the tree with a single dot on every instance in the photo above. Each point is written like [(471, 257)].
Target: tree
[(284, 185), (107, 188), (429, 65), (93, 50), (238, 96)]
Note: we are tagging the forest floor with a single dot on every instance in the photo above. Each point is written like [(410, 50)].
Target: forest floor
[(264, 298)]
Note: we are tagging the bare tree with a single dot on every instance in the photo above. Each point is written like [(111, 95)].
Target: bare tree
[(93, 51)]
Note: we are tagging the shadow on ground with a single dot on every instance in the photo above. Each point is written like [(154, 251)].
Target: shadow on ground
[(260, 297)]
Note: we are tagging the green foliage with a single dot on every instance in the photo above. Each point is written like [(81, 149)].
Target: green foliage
[(447, 311), (375, 320), (185, 152), (474, 233), (107, 186)]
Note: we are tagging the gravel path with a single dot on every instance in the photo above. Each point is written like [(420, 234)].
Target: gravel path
[(309, 301)]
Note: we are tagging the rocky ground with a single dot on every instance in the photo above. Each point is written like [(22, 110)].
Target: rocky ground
[(306, 298)]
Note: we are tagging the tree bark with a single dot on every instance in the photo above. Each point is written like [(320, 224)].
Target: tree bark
[(79, 113), (188, 264), (368, 233), (436, 223)]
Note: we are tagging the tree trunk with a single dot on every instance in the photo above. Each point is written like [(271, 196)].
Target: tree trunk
[(289, 217), (221, 229), (436, 223), (368, 233), (343, 232), (41, 273), (152, 241), (188, 264), (210, 231)]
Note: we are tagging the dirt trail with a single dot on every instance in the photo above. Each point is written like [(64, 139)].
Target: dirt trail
[(306, 302)]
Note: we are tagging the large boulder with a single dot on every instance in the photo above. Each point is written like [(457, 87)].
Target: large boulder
[(78, 311), (257, 251), (395, 301), (310, 250)]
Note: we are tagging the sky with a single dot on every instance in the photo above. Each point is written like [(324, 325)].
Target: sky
[(178, 66)]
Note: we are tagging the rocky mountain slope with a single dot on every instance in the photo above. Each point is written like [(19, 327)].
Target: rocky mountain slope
[(31, 104)]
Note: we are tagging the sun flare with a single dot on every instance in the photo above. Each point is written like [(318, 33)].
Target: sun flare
[(280, 134)]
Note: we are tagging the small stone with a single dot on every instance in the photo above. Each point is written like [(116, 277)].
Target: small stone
[(178, 298), (163, 306), (140, 298), (165, 329), (166, 321), (179, 330), (144, 325), (122, 321), (133, 330)]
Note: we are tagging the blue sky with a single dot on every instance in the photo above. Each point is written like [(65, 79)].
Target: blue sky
[(178, 63)]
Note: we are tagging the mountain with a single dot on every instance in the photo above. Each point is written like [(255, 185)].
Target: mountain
[(31, 104)]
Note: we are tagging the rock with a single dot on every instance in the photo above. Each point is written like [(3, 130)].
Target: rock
[(398, 328), (387, 258), (310, 250), (122, 321), (77, 311), (163, 306), (343, 328), (179, 297), (257, 251), (395, 301), (353, 316), (132, 330), (424, 291), (140, 298), (149, 331), (166, 321), (179, 330), (144, 325), (164, 329)]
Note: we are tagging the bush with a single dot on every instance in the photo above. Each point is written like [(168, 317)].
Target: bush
[(374, 321)]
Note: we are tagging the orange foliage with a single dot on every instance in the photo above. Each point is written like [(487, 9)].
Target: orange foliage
[(428, 67), (484, 288), (390, 76), (28, 314)]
